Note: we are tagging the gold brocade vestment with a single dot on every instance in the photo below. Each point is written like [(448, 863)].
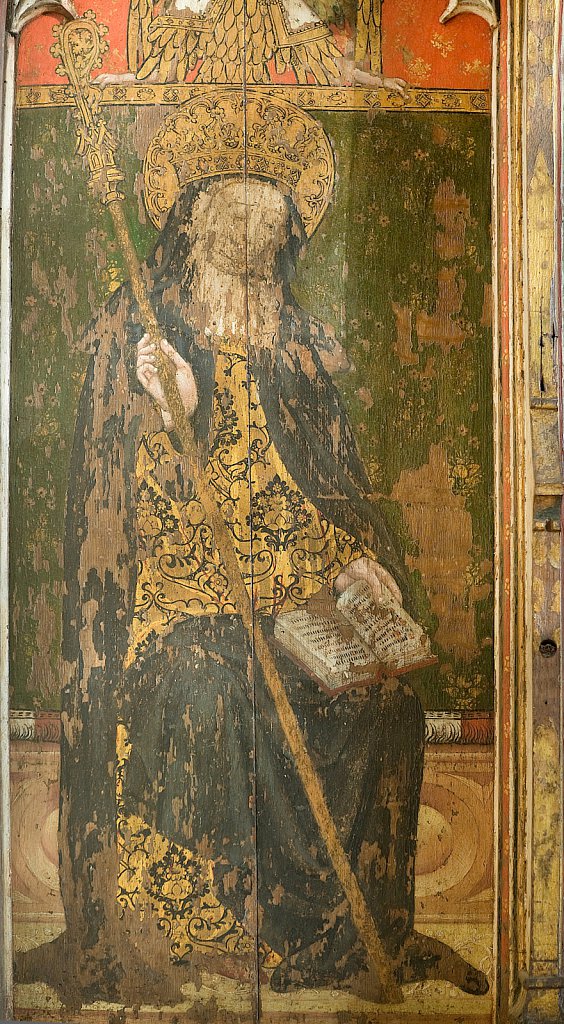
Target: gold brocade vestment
[(286, 551)]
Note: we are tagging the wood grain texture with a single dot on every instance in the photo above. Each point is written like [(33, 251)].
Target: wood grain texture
[(432, 432)]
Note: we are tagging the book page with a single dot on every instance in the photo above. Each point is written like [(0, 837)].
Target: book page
[(321, 646), (386, 628)]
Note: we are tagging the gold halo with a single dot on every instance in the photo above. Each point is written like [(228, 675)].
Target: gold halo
[(206, 136)]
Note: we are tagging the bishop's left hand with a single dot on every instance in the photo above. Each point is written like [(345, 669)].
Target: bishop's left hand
[(371, 572)]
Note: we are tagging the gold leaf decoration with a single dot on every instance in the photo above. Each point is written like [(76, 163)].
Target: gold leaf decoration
[(217, 133)]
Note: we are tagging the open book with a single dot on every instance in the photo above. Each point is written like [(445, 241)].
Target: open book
[(353, 641)]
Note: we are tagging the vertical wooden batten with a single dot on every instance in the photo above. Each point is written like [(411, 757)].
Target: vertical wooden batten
[(537, 904), (7, 58), (528, 984)]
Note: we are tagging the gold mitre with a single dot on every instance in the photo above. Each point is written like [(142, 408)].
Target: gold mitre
[(217, 132)]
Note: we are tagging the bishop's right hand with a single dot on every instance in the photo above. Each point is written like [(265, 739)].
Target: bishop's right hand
[(148, 377)]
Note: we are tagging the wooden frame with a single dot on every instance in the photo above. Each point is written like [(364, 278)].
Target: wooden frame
[(527, 983)]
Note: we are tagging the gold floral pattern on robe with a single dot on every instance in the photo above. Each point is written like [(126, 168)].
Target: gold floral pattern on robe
[(287, 550), (160, 877)]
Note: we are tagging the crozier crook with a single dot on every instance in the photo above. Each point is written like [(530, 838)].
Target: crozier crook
[(80, 46)]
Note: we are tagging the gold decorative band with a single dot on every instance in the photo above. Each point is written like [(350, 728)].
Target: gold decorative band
[(473, 101)]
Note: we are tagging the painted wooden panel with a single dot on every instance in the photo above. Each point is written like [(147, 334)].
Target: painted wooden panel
[(298, 200)]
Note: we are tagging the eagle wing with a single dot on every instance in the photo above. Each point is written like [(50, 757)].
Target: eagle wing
[(139, 22), (172, 50)]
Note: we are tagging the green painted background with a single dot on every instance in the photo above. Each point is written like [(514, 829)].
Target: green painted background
[(376, 247)]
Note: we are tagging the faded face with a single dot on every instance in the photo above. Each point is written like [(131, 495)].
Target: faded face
[(244, 225)]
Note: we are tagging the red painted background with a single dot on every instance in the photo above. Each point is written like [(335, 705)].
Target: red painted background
[(415, 45)]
